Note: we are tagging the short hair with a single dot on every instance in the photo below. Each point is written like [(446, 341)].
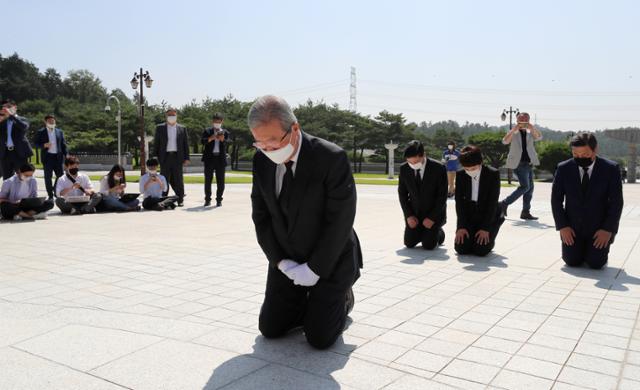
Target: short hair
[(171, 109), (451, 143), (71, 160), (217, 116), (584, 139), (470, 156), (7, 102), (49, 116), (413, 149), (268, 108), (28, 167), (152, 162)]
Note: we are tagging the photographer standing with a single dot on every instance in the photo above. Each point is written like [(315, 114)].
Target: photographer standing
[(214, 157), (522, 158), (15, 149)]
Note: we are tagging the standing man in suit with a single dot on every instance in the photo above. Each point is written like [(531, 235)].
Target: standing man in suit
[(477, 205), (586, 200), (522, 158), (15, 149), (422, 189), (304, 204), (51, 140), (214, 157), (171, 144)]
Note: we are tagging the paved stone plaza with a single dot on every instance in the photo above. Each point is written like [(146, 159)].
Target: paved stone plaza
[(171, 300)]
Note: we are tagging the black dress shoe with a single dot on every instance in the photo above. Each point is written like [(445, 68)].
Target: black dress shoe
[(527, 216), (180, 203), (503, 209), (441, 237), (219, 203), (350, 301), (207, 203)]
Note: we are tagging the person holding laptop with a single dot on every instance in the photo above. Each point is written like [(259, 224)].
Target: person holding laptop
[(18, 196), (112, 187)]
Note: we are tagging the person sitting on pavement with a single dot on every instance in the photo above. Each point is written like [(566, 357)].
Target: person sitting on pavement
[(112, 187), (21, 186), (152, 187), (73, 186)]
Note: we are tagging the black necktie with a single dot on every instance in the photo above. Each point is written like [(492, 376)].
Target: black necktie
[(418, 180), (585, 180), (285, 190)]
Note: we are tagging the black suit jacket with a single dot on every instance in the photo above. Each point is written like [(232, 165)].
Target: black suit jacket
[(431, 201), (483, 215), (160, 142), (207, 153), (42, 137), (599, 208), (321, 213), (18, 135)]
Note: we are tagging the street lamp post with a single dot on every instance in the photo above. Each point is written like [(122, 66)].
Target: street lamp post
[(107, 108), (138, 79), (503, 116)]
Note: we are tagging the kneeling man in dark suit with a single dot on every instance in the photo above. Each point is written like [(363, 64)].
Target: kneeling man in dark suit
[(586, 200), (422, 189), (303, 207), (477, 193)]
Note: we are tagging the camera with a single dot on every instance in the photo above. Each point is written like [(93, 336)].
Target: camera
[(219, 132)]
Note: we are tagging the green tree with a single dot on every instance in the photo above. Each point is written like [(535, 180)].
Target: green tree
[(493, 150), (551, 153)]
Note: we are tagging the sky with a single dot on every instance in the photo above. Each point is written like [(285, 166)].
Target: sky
[(573, 65)]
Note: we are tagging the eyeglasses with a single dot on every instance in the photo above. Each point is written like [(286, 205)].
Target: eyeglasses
[(271, 144)]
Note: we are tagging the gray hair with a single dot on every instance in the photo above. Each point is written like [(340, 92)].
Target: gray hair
[(268, 108)]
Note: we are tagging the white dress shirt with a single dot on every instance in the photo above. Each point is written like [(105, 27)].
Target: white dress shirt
[(64, 183), (24, 190), (589, 170), (424, 166), (172, 138), (53, 144), (475, 187), (281, 169)]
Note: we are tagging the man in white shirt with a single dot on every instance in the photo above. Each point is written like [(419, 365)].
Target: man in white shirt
[(171, 146), (75, 184)]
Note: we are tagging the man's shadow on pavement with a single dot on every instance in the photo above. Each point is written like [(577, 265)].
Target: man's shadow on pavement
[(608, 278), (531, 224), (482, 263), (418, 255), (288, 362)]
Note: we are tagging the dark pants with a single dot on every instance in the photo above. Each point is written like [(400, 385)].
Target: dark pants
[(158, 204), (66, 207), (524, 171), (171, 169), (583, 251), (111, 203), (10, 210), (52, 163), (470, 244), (320, 309), (216, 165), (430, 238), (11, 162)]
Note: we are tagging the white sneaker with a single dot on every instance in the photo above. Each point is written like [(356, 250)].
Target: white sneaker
[(42, 215), (17, 218)]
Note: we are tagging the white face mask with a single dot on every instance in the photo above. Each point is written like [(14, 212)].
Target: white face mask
[(51, 126), (172, 119), (450, 147), (25, 178), (12, 110), (152, 172), (117, 178), (217, 126), (473, 174), (281, 155), (416, 166)]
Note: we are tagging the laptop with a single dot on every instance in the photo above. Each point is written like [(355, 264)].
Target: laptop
[(128, 197), (32, 203)]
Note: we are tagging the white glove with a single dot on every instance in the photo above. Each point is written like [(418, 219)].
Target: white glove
[(302, 275), (286, 264)]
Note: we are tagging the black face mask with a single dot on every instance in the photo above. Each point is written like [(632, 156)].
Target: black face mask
[(583, 161), (73, 171)]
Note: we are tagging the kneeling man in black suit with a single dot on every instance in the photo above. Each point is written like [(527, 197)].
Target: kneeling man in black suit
[(586, 200), (303, 206)]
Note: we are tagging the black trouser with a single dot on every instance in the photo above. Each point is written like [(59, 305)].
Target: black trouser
[(10, 210), (66, 207), (430, 238), (11, 162), (583, 251), (470, 245), (158, 204), (52, 163), (218, 165), (320, 309), (171, 169)]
